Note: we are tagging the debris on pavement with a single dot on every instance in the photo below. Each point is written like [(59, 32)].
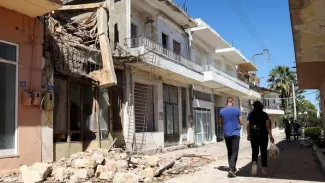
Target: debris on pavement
[(102, 165)]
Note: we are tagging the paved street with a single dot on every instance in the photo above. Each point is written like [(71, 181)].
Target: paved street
[(296, 164)]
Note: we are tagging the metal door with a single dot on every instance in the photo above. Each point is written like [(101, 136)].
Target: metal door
[(203, 131)]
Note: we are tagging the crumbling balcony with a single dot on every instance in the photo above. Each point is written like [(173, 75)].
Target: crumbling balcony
[(32, 8), (224, 81), (157, 48)]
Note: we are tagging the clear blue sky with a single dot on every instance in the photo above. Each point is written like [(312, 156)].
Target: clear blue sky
[(270, 19)]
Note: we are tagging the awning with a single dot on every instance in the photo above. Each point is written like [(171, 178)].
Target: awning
[(32, 8), (233, 55), (248, 66), (210, 36), (307, 21)]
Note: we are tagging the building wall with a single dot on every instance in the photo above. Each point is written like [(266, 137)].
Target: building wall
[(221, 99), (20, 30), (274, 120), (120, 14), (270, 101), (322, 92), (167, 27)]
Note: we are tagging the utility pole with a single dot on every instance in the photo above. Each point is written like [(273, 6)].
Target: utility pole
[(294, 102)]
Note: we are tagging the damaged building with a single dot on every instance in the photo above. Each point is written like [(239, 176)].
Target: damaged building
[(84, 81), (136, 74)]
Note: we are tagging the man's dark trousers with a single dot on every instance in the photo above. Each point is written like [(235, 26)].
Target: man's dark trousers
[(232, 143)]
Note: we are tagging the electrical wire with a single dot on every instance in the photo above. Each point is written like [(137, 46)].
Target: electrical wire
[(240, 12)]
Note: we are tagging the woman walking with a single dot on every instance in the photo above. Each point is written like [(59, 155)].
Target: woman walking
[(259, 131)]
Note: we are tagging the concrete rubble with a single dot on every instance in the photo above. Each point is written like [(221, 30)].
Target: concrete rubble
[(101, 165)]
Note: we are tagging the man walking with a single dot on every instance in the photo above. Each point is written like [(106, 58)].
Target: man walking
[(231, 119)]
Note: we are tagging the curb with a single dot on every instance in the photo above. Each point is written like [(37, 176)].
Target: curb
[(320, 156)]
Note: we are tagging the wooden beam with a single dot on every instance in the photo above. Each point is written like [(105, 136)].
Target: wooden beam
[(106, 76), (81, 6)]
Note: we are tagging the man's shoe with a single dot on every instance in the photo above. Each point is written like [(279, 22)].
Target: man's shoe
[(231, 174), (264, 171), (254, 169)]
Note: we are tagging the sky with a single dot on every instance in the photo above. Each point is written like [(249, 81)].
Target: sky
[(270, 19)]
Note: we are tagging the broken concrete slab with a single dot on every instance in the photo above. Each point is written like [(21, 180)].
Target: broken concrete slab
[(83, 163), (153, 161), (147, 174), (98, 156), (61, 174), (126, 178), (85, 173), (35, 173)]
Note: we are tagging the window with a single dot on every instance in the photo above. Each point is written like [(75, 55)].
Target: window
[(75, 112), (165, 43), (8, 98), (134, 34), (184, 111), (116, 35), (177, 50)]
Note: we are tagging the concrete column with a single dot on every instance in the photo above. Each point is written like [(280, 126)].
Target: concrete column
[(47, 126), (128, 112), (213, 122), (180, 116), (160, 103)]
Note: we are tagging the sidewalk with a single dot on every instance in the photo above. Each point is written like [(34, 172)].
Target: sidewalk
[(296, 164)]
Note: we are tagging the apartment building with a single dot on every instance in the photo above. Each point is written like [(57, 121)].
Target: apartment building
[(21, 39), (170, 78), (307, 27), (178, 74), (271, 101)]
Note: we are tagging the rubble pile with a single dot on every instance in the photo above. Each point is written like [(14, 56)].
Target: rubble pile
[(101, 165)]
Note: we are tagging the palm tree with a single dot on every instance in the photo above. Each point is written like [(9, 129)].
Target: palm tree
[(280, 79)]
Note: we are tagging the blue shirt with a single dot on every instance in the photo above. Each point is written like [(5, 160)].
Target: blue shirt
[(230, 121)]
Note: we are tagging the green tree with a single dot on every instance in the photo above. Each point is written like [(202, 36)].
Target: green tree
[(280, 79), (305, 106)]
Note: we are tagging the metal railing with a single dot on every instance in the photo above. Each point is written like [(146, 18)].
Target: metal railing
[(273, 107), (250, 79), (161, 49), (226, 75)]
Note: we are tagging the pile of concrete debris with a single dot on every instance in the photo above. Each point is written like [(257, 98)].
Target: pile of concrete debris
[(101, 165)]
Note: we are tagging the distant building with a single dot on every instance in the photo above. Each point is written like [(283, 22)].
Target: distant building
[(271, 101)]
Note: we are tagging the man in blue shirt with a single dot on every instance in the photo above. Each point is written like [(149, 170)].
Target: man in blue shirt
[(231, 119)]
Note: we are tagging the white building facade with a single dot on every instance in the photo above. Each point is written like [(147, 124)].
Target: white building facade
[(178, 74), (271, 101)]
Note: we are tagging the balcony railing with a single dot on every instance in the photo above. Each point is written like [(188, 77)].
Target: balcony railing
[(273, 108), (158, 48), (225, 74), (250, 79)]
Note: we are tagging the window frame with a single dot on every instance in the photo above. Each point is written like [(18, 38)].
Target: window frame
[(13, 152)]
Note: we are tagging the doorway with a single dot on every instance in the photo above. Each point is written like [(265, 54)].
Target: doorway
[(202, 118), (171, 115)]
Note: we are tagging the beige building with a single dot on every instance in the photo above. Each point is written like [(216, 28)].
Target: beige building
[(307, 19)]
